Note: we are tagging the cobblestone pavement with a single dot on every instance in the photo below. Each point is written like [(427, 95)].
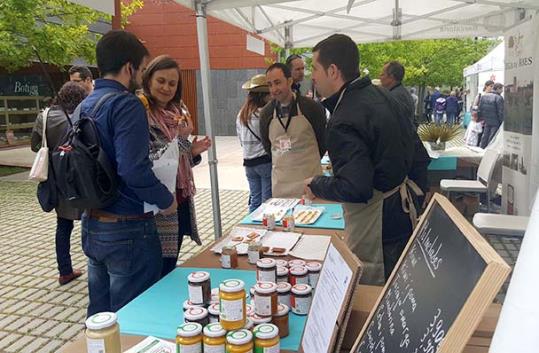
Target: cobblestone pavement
[(36, 313)]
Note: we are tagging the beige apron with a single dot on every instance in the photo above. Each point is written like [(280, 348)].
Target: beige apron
[(292, 166)]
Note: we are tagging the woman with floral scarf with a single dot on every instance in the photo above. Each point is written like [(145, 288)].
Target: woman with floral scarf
[(170, 126)]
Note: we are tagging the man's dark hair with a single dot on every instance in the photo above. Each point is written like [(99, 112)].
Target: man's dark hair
[(498, 86), (340, 50), (117, 48), (285, 69), (395, 69), (83, 71), (69, 96), (291, 58), (162, 62)]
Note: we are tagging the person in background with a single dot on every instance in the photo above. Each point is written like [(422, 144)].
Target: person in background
[(121, 240), (83, 76), (416, 100), (489, 85), (427, 107), (297, 67), (452, 108), (391, 79), (471, 136), (292, 129), (256, 161), (491, 113), (170, 127), (439, 109), (433, 97), (58, 122)]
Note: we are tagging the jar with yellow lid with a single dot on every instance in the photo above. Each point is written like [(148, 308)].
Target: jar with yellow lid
[(232, 311), (267, 339), (189, 338), (240, 341), (214, 338), (103, 333)]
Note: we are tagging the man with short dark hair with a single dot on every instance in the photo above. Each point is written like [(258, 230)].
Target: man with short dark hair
[(490, 111), (391, 79), (297, 68), (83, 76), (121, 241), (292, 130), (370, 147)]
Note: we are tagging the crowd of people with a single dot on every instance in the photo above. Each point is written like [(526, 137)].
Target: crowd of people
[(379, 163)]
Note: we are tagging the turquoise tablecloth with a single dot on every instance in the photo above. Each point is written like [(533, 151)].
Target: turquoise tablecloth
[(325, 221), (443, 163), (158, 311)]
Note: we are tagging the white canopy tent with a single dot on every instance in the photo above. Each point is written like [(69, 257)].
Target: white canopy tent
[(303, 23)]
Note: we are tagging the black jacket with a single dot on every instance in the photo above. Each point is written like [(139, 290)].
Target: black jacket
[(369, 143), (312, 111)]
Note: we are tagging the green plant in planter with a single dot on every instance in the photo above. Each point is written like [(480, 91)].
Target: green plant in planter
[(438, 134)]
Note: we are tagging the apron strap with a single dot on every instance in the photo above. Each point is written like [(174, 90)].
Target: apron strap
[(407, 203)]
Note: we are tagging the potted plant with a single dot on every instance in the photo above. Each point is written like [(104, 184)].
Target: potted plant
[(438, 134)]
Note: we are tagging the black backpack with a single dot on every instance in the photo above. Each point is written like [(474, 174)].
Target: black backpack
[(84, 176)]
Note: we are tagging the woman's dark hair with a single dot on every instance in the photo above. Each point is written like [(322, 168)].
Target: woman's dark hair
[(253, 101), (117, 48), (162, 62), (70, 96)]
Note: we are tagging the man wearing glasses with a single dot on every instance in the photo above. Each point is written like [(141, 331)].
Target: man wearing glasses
[(83, 76), (297, 67)]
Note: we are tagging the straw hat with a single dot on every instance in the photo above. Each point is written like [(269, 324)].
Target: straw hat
[(257, 83)]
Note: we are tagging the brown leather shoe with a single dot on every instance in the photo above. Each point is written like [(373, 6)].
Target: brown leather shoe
[(65, 279)]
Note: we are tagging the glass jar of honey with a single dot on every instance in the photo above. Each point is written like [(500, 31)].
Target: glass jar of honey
[(239, 341), (189, 337), (103, 333), (232, 304), (266, 338), (214, 338)]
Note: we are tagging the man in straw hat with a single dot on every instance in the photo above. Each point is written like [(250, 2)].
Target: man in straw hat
[(292, 129)]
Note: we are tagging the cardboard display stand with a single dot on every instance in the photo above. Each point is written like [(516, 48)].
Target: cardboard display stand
[(439, 290), (331, 306)]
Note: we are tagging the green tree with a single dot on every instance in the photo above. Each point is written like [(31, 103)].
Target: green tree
[(55, 31)]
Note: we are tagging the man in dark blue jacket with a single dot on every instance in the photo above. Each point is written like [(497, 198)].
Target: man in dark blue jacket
[(121, 241)]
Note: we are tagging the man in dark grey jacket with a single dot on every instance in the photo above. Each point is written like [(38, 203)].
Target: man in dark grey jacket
[(491, 112), (391, 79)]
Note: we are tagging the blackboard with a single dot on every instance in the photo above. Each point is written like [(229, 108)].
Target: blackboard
[(440, 269)]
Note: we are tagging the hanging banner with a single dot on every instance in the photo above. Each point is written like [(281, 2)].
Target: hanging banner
[(518, 118)]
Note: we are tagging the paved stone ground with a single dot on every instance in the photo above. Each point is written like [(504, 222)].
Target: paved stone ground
[(36, 313)]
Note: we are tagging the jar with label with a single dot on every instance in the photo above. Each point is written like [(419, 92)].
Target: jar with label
[(189, 338), (281, 320), (266, 299), (103, 333), (229, 257), (281, 262), (213, 312), (214, 338), (214, 295), (282, 274), (266, 270), (289, 223), (240, 341), (299, 275), (187, 304), (254, 252), (199, 287), (301, 299), (283, 292), (199, 315), (314, 269), (268, 220), (257, 320), (296, 262), (266, 339), (232, 304)]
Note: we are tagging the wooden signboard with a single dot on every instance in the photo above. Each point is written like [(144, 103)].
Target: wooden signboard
[(331, 305), (442, 285)]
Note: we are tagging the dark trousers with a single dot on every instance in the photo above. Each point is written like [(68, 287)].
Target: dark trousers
[(488, 134), (184, 227), (64, 227)]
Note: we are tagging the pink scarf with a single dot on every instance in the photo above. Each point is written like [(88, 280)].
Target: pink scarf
[(167, 121)]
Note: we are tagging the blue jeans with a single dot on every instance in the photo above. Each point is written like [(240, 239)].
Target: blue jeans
[(64, 227), (124, 259), (451, 117), (259, 178), (439, 117)]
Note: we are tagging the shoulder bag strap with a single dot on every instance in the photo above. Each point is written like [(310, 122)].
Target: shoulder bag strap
[(44, 134)]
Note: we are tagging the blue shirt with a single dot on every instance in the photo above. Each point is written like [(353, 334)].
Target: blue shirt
[(123, 129)]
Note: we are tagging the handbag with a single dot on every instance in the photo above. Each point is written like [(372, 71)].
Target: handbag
[(40, 167)]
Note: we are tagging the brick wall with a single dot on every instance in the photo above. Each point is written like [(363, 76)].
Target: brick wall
[(169, 28)]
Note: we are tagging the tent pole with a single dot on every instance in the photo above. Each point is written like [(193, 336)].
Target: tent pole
[(287, 40), (202, 33)]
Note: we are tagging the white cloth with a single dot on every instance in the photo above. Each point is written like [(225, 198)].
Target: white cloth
[(471, 136), (165, 169)]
